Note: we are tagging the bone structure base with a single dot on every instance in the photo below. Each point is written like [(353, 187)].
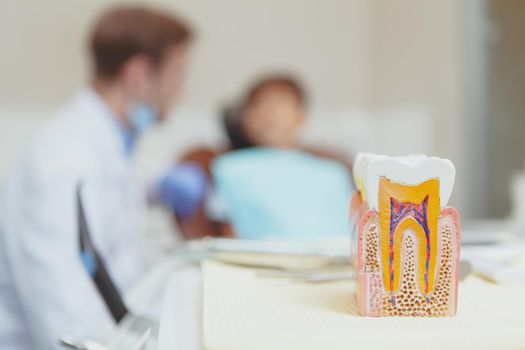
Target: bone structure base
[(375, 300)]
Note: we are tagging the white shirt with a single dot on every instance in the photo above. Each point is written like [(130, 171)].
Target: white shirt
[(48, 291)]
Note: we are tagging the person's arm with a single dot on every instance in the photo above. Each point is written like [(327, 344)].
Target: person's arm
[(200, 225), (186, 190), (55, 289)]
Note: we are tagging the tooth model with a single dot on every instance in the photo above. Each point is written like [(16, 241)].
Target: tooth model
[(407, 239)]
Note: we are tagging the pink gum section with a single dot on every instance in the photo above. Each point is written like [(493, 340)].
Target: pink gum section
[(363, 281), (453, 213), (362, 222)]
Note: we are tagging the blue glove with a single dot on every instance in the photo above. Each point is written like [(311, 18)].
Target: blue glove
[(184, 188)]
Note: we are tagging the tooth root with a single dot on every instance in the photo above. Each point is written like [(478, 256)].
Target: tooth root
[(409, 207)]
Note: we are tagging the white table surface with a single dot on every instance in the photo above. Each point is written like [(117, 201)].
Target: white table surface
[(180, 322)]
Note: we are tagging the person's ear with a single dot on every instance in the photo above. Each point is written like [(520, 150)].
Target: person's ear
[(135, 75)]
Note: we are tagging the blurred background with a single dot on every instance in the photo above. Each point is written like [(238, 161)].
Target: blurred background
[(445, 78)]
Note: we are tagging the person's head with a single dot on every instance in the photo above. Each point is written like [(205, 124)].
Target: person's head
[(272, 112), (140, 55)]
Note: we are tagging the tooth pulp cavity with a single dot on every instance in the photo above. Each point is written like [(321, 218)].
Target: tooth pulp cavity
[(403, 207)]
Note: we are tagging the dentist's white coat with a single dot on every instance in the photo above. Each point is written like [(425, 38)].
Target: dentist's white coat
[(45, 290)]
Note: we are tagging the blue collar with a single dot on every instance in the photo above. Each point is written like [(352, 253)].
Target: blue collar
[(127, 136)]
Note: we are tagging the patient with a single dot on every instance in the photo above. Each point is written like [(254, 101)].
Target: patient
[(269, 116)]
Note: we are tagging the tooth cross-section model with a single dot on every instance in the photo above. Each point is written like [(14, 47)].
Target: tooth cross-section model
[(407, 239)]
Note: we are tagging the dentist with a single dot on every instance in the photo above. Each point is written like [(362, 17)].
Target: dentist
[(138, 57)]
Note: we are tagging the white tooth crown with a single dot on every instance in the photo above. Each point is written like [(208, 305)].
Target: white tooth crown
[(409, 170)]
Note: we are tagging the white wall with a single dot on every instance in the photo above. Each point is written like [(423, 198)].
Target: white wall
[(384, 55), (42, 46), (417, 56)]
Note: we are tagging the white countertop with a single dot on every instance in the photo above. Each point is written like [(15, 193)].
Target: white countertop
[(181, 316)]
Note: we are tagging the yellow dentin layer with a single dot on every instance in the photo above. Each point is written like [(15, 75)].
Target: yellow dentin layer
[(409, 207)]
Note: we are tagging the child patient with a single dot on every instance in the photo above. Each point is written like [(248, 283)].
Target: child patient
[(268, 117)]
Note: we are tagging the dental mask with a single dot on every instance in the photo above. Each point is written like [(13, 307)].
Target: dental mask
[(141, 117)]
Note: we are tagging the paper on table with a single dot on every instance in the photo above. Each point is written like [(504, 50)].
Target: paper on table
[(504, 263), (243, 312)]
